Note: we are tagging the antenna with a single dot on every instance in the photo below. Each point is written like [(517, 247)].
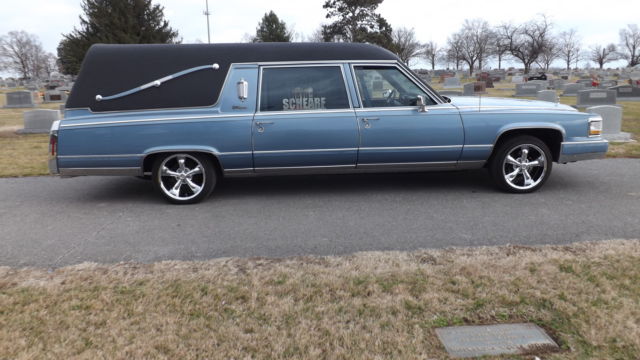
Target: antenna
[(207, 14)]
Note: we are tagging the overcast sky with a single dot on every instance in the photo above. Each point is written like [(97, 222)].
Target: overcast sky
[(597, 22)]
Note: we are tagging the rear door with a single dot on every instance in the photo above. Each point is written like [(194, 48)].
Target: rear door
[(305, 120)]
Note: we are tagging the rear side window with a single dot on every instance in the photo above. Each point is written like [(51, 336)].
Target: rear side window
[(303, 88)]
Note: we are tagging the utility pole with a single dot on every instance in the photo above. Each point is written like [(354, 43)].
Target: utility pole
[(207, 13)]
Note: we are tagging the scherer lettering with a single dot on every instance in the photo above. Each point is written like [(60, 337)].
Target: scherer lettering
[(304, 103)]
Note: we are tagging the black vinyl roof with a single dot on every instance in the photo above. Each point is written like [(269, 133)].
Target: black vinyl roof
[(111, 69)]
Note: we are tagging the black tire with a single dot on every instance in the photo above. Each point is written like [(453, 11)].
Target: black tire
[(518, 177), (196, 172)]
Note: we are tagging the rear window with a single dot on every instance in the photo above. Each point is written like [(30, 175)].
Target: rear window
[(303, 89)]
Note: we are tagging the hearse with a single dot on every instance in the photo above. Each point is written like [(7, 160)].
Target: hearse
[(187, 115)]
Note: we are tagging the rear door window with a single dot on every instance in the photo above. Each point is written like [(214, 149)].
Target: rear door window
[(303, 88)]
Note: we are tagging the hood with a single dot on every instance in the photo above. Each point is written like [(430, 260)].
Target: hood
[(490, 103)]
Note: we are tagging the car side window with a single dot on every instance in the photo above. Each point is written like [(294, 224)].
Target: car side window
[(387, 86), (303, 88)]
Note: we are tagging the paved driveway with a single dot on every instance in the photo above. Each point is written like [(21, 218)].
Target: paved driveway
[(50, 222)]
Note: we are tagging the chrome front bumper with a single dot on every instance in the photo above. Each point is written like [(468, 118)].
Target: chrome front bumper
[(571, 151)]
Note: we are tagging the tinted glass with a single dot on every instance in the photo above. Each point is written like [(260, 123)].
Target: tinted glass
[(387, 86), (303, 88)]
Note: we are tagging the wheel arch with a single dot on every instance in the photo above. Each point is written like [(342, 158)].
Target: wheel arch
[(150, 157), (552, 135)]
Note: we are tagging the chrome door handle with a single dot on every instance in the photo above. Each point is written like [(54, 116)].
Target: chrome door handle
[(260, 124), (366, 121)]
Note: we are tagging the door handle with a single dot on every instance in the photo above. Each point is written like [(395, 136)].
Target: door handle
[(366, 121), (260, 124)]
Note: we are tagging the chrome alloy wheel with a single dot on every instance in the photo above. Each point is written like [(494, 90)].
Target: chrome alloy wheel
[(524, 167), (181, 177)]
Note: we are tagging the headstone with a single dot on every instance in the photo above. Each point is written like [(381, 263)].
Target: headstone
[(605, 84), (586, 82), (450, 93), (468, 89), (558, 84), (480, 87), (502, 339), (528, 89), (57, 96), (543, 83), (39, 121), (517, 79), (626, 91), (611, 122), (19, 99), (572, 89), (596, 97), (452, 83), (61, 109), (547, 95)]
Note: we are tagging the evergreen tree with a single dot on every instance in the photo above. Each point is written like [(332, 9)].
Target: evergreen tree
[(272, 29), (114, 22), (357, 21)]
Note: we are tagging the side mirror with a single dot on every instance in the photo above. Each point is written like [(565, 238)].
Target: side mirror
[(421, 101), (243, 89)]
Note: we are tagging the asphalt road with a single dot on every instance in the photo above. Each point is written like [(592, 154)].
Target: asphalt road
[(52, 222)]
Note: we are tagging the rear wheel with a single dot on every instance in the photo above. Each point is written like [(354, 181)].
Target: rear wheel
[(521, 165), (184, 178)]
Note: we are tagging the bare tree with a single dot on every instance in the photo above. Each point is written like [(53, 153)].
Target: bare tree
[(500, 48), (453, 52), (476, 39), (316, 36), (630, 44), (432, 53), (21, 53), (549, 53), (405, 44), (527, 41), (569, 46), (603, 54)]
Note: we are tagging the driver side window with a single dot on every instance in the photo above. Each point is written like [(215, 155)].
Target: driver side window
[(387, 86)]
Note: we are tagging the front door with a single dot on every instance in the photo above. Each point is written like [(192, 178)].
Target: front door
[(305, 120), (393, 132)]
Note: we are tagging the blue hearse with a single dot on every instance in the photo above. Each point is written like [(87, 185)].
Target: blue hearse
[(187, 115)]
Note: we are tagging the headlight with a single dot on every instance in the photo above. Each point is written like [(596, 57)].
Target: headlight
[(595, 126)]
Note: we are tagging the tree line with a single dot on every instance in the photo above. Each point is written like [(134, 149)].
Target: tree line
[(474, 45)]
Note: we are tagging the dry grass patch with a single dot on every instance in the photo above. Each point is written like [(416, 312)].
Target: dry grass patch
[(381, 305)]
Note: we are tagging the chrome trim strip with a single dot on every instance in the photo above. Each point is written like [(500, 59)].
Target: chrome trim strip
[(234, 153), (479, 146), (157, 119), (97, 156), (427, 163), (585, 142), (302, 151), (297, 112), (413, 147), (515, 108), (305, 167), (123, 171)]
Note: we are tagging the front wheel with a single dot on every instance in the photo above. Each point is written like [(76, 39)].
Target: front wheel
[(184, 178), (521, 165)]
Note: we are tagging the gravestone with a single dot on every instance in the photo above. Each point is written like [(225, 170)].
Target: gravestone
[(528, 89), (56, 96), (572, 89), (517, 79), (452, 83), (607, 84), (596, 97), (468, 89), (476, 341), (61, 109), (559, 84), (480, 87), (19, 99), (611, 122), (39, 121), (542, 83), (547, 95), (626, 91), (586, 82)]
